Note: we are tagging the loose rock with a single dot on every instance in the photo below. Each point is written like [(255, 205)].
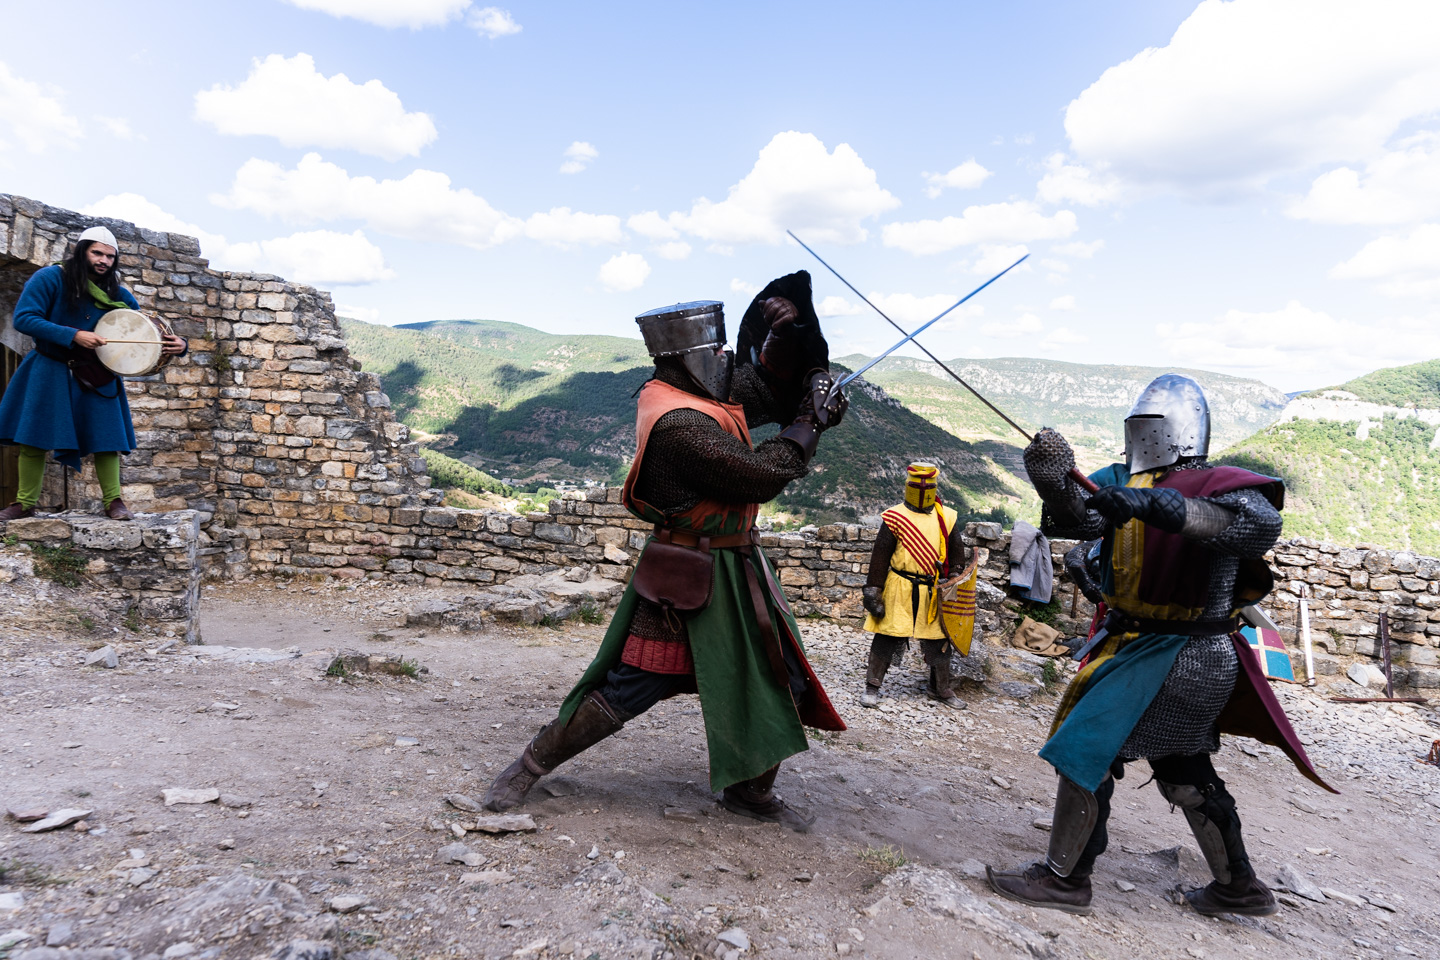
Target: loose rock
[(506, 823), (176, 795), (56, 820)]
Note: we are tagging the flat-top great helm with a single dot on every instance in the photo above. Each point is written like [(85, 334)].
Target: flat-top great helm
[(1170, 420), (922, 484), (695, 333)]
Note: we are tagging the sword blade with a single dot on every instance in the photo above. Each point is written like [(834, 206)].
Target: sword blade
[(922, 328)]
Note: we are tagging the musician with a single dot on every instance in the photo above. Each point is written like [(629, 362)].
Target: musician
[(62, 398)]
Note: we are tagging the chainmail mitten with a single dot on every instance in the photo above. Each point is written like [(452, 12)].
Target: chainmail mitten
[(1048, 462), (1077, 565)]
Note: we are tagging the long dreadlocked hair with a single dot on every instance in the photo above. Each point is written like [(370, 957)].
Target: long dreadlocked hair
[(77, 271)]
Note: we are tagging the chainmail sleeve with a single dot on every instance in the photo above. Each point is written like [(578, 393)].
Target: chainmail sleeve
[(1254, 530), (880, 557), (690, 458), (956, 551), (762, 403)]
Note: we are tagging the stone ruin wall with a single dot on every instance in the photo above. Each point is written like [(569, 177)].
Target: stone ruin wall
[(295, 465), (289, 454)]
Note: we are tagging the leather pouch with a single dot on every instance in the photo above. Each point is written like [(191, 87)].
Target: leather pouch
[(678, 579)]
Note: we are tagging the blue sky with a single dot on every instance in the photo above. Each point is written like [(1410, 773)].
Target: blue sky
[(1250, 186)]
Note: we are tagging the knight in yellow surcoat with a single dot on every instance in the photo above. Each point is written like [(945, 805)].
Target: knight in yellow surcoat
[(917, 546)]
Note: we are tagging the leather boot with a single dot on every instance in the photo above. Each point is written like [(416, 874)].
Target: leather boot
[(1244, 894), (593, 721), (16, 511), (118, 511), (1210, 811), (874, 676), (1039, 886), (941, 683), (756, 799)]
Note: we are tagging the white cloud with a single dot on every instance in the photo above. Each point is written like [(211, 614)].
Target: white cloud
[(624, 271), (833, 306), (363, 314), (492, 22), (1059, 266), (320, 257), (910, 311), (1406, 266), (967, 176), (1399, 186), (1016, 222), (1066, 302), (578, 156), (1027, 324), (1296, 347), (316, 257), (299, 106), (118, 127), (136, 209), (1062, 337), (1078, 249), (674, 250), (740, 286), (825, 196), (1075, 183), (390, 13), (420, 206), (36, 120), (995, 257), (653, 226), (1249, 89), (563, 227)]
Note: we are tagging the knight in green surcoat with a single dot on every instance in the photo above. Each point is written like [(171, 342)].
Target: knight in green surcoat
[(704, 612)]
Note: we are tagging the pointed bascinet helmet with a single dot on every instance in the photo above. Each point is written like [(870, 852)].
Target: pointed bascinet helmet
[(695, 333), (1170, 420), (922, 485)]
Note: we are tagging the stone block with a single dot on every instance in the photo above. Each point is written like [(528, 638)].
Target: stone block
[(38, 528), (447, 517), (107, 534), (555, 532)]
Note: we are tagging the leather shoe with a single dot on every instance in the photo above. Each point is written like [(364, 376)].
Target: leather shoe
[(1244, 895), (1039, 886), (118, 511), (16, 511)]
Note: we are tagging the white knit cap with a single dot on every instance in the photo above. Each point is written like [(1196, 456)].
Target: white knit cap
[(100, 235)]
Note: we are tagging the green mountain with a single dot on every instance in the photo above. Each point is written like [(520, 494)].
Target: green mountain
[(536, 409), (1085, 402), (1361, 462)]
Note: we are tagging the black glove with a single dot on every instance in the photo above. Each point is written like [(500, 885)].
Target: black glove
[(873, 599), (820, 409), (1155, 507)]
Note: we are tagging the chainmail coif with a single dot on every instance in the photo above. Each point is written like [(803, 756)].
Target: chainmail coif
[(689, 458)]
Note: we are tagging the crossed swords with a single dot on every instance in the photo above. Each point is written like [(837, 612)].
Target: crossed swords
[(1075, 474)]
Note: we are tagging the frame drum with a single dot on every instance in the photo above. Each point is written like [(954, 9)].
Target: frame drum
[(141, 356)]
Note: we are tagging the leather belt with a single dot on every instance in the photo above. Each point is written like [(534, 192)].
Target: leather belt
[(1118, 621), (724, 541)]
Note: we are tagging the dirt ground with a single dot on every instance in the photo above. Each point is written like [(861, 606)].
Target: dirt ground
[(333, 800)]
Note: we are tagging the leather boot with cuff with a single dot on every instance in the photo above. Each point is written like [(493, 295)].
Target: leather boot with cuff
[(1039, 886), (941, 685), (756, 799), (593, 721)]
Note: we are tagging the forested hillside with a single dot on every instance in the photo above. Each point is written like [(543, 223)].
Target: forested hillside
[(1356, 472), (532, 409)]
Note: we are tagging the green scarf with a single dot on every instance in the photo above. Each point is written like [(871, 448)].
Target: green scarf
[(102, 300)]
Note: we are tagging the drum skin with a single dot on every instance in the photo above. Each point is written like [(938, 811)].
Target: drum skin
[(132, 359)]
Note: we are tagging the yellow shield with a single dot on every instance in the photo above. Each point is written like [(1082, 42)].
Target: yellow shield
[(957, 608)]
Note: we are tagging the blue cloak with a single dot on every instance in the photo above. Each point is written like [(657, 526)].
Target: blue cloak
[(43, 405)]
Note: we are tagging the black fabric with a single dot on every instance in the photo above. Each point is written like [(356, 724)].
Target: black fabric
[(812, 350), (880, 556), (632, 691)]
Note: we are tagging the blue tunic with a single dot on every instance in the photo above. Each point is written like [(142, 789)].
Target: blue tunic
[(44, 406)]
